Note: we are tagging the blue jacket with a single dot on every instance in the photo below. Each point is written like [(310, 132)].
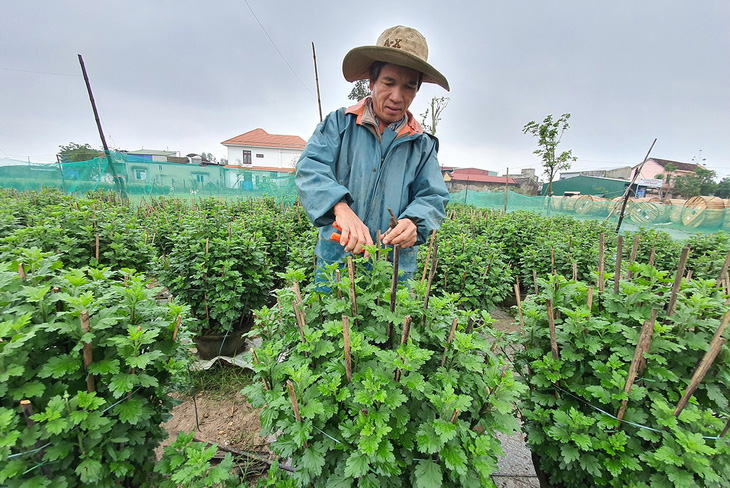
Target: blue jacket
[(344, 161)]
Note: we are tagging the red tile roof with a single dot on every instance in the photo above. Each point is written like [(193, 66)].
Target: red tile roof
[(261, 138), (474, 175)]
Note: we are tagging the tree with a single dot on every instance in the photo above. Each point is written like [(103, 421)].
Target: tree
[(73, 152), (549, 134), (438, 104), (723, 188), (666, 176), (700, 182), (360, 90)]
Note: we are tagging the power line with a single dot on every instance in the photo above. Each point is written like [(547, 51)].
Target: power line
[(37, 72), (277, 49)]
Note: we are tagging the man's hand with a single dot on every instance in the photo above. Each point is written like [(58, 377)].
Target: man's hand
[(354, 233), (404, 234)]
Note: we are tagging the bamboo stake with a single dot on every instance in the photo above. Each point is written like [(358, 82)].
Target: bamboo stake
[(642, 347), (428, 256), (431, 274), (534, 278), (601, 260), (726, 429), (378, 245), (519, 305), (295, 404), (454, 416), (299, 319), (393, 291), (590, 298), (451, 338), (177, 327), (96, 247), (337, 278), (652, 256), (353, 297), (403, 340), (346, 338), (677, 281), (723, 270), (298, 294), (88, 359), (21, 272), (617, 271), (700, 372), (632, 257), (721, 328), (575, 271), (552, 258), (551, 324)]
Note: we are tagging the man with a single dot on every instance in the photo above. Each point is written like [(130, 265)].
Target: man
[(373, 156)]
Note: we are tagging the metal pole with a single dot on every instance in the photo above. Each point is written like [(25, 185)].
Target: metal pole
[(316, 79), (506, 190), (118, 182)]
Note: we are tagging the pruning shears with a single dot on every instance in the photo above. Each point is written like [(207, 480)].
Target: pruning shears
[(336, 236)]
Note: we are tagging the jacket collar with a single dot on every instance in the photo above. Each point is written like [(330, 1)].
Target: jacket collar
[(365, 116)]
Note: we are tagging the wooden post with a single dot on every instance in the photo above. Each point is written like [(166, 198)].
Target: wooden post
[(393, 291), (677, 281), (519, 305), (96, 248), (590, 299), (601, 260), (575, 271), (353, 297), (295, 404), (88, 359), (337, 278), (403, 340), (551, 325), (534, 278), (300, 319), (617, 271), (724, 270), (700, 372), (506, 189), (428, 256), (652, 256), (632, 256), (298, 294), (346, 338), (21, 272), (177, 327), (451, 338), (642, 347)]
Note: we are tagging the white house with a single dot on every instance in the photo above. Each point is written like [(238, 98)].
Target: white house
[(259, 150)]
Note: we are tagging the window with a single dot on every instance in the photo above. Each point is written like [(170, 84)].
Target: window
[(246, 157), (200, 178), (159, 167), (140, 174), (259, 155)]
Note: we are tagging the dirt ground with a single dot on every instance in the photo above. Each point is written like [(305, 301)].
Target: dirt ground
[(232, 422)]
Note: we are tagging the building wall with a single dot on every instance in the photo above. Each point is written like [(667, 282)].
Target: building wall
[(264, 156)]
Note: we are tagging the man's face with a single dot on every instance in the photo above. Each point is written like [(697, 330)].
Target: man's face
[(393, 92)]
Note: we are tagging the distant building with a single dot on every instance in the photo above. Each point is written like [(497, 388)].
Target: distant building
[(475, 179), (623, 173), (259, 150)]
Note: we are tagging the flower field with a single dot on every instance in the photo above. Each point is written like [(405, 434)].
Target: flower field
[(619, 374)]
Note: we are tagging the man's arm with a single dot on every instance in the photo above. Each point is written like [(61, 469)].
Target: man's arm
[(429, 197), (324, 199)]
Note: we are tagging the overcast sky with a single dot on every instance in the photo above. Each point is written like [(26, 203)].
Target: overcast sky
[(185, 75)]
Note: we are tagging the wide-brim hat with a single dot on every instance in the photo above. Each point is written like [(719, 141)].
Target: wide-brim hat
[(400, 45)]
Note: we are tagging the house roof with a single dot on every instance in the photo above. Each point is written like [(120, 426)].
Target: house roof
[(677, 164), (460, 175), (471, 171), (261, 138), (262, 168)]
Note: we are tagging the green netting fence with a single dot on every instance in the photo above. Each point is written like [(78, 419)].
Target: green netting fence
[(140, 178)]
